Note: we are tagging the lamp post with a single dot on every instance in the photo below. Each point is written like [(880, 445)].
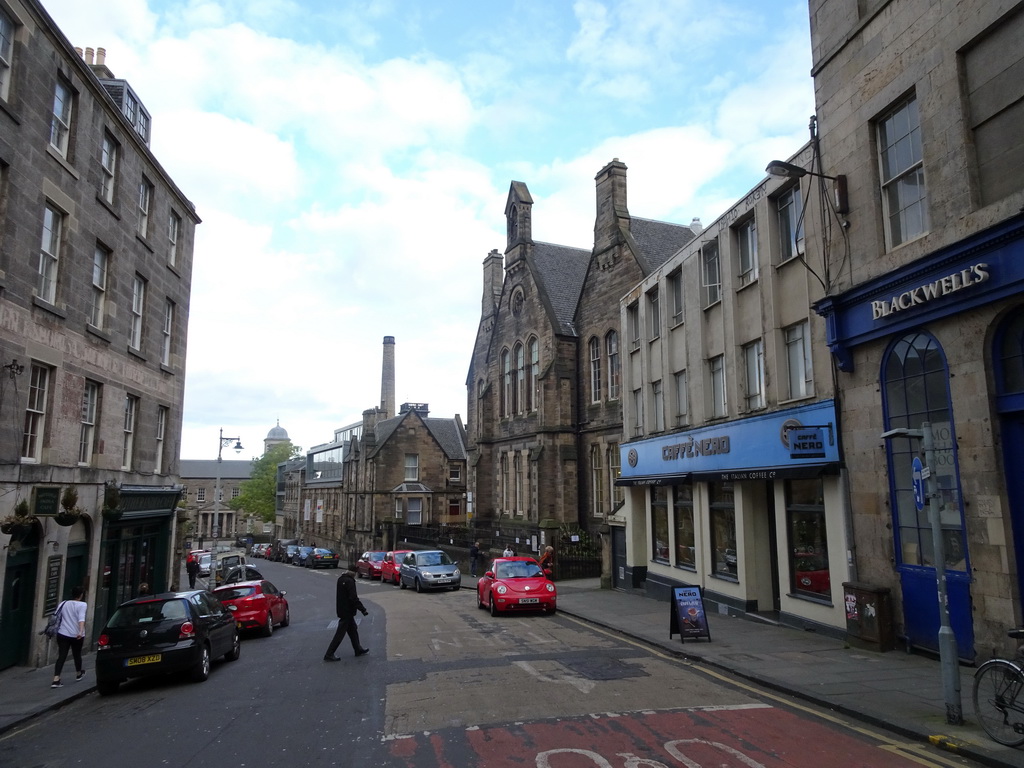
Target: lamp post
[(216, 497), (790, 171), (948, 652)]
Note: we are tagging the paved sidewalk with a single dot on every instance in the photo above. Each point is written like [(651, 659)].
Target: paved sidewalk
[(897, 691)]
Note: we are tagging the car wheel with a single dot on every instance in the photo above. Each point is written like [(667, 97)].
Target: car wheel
[(419, 586), (479, 601), (456, 588), (395, 579), (269, 629), (107, 687), (359, 574), (494, 607), (236, 649), (401, 583), (201, 671), (287, 617)]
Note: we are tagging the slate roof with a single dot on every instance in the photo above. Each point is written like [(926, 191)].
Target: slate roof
[(561, 271), (657, 240), (233, 469), (445, 431)]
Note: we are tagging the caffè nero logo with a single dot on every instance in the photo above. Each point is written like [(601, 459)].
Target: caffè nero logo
[(632, 457), (969, 277)]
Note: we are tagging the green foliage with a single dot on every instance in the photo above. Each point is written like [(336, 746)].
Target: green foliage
[(258, 494)]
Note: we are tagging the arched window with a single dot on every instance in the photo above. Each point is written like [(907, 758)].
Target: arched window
[(1011, 356), (518, 396), (611, 343), (533, 375), (595, 370), (506, 383)]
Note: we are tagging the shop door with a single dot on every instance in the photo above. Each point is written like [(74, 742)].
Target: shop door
[(1013, 459), (16, 607), (618, 557)]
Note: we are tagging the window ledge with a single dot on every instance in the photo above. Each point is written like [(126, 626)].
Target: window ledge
[(713, 304), (747, 285), (811, 598), (724, 577), (797, 399), (675, 324), (5, 107), (90, 328), (43, 304), (136, 353), (174, 269), (166, 369), (108, 205), (688, 568), (62, 160), (145, 242), (660, 561)]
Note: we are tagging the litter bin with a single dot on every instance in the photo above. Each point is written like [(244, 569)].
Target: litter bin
[(869, 616)]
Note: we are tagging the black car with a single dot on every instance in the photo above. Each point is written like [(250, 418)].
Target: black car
[(322, 558), (160, 634), (286, 552), (301, 553)]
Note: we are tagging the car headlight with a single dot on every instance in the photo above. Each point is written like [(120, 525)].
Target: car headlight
[(455, 573), (501, 589), (550, 587)]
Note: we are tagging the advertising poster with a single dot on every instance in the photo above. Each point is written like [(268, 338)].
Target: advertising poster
[(688, 618)]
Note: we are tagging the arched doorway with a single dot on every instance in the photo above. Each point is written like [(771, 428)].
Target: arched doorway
[(1008, 359), (17, 605)]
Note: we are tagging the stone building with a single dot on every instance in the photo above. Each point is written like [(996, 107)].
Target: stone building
[(731, 460), (544, 393), (95, 272), (920, 104)]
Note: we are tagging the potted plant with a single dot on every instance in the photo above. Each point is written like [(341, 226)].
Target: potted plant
[(69, 513), (111, 502), (18, 523)]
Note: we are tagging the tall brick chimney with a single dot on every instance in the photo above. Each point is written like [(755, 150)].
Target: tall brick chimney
[(494, 275), (612, 214), (387, 378)]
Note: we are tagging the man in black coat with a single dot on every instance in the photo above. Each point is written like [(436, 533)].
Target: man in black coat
[(348, 603), (192, 569)]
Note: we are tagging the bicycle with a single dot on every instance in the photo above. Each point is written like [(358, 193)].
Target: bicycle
[(998, 703)]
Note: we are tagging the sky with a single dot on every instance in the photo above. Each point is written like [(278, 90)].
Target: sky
[(350, 162)]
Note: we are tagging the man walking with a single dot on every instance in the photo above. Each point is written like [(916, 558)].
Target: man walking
[(192, 568), (348, 603), (474, 557)]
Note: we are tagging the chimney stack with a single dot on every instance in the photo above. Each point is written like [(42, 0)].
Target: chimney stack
[(387, 378), (101, 56), (88, 56)]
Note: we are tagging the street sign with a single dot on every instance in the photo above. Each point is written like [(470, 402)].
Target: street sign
[(919, 477)]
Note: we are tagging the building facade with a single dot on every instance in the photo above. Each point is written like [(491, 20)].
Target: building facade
[(95, 270), (731, 455), (544, 393), (920, 105)]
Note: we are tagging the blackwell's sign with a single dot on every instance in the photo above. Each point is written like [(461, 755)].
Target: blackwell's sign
[(976, 274)]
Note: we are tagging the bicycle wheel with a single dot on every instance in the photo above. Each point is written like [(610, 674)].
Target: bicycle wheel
[(998, 702)]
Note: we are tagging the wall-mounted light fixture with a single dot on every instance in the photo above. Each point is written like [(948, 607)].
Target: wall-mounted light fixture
[(790, 171), (14, 368)]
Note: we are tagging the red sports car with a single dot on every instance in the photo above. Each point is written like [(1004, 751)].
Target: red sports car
[(390, 564), (516, 584), (369, 565), (256, 605)]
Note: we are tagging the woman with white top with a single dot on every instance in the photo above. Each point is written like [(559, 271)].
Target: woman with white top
[(70, 635)]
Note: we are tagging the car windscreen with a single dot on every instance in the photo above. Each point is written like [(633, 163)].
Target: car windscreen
[(149, 612), (235, 592), (433, 558), (319, 551), (518, 570)]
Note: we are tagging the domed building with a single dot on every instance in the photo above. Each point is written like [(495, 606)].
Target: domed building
[(275, 436)]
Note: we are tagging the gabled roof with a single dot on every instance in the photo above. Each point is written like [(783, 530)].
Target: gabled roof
[(657, 240), (447, 433), (196, 469), (560, 272)]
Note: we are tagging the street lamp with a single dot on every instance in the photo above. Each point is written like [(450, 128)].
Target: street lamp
[(216, 496), (790, 171), (948, 652)]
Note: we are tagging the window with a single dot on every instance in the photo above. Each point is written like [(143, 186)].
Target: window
[(6, 52), (533, 382), (595, 370), (638, 411), (108, 164), (723, 529), (455, 473), (633, 325), (659, 524), (173, 233), (131, 415), (614, 470), (100, 259), (145, 198), (808, 544), (746, 252), (519, 394), (161, 428), (716, 370), (504, 490), (597, 480), (454, 507), (87, 434), (35, 413), (904, 195), (49, 254), (653, 315), (611, 343), (682, 399), (789, 209), (201, 495), (398, 509), (798, 360), (236, 492), (165, 356), (682, 519), (506, 383), (659, 406), (415, 512), (60, 121), (711, 273), (519, 501), (138, 305), (412, 467), (675, 293), (753, 360)]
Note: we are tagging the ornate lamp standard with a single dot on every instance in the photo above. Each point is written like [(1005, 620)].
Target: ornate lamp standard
[(214, 527)]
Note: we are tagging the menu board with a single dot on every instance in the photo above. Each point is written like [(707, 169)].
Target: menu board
[(53, 567), (688, 618)]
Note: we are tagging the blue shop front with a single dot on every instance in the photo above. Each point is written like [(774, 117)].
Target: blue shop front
[(751, 510)]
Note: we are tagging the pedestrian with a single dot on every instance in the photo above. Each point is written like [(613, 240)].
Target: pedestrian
[(144, 589), (192, 569), (547, 560), (474, 557), (70, 635), (509, 552), (348, 603)]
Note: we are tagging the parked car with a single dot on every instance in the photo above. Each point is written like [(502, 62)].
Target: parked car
[(322, 557), (256, 604), (258, 550), (205, 560), (159, 634), (240, 573), (390, 564), (516, 584), (224, 562), (369, 565), (286, 552), (300, 555), (429, 569)]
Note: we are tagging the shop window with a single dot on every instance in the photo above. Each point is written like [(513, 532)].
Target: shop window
[(723, 529), (682, 518), (659, 524), (808, 544)]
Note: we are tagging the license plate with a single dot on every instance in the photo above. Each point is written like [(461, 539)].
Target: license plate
[(137, 660), (528, 600), (444, 581)]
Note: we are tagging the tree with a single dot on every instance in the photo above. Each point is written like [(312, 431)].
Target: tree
[(258, 495)]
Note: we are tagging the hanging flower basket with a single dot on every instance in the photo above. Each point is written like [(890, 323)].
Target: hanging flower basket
[(16, 525), (111, 514), (67, 517), (70, 513)]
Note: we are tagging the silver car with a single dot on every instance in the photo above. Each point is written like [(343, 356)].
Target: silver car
[(429, 569)]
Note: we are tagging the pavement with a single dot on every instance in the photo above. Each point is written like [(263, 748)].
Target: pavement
[(898, 692)]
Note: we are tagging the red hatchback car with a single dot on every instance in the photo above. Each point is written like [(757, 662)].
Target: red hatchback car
[(390, 565), (516, 584), (256, 605), (369, 565)]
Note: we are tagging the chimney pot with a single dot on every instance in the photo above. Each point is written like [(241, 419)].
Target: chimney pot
[(88, 56), (101, 56)]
